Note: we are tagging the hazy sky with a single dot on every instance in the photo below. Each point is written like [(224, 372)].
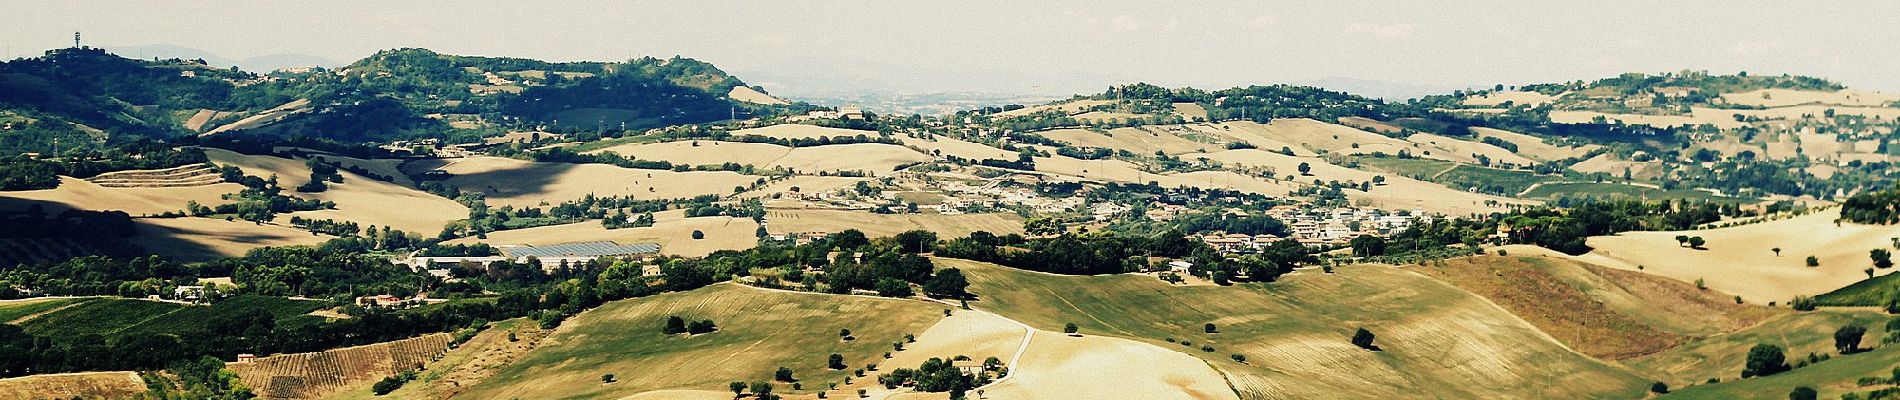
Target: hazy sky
[(803, 48)]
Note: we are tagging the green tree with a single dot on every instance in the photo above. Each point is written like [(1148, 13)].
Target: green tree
[(783, 375), (836, 361), (1847, 339), (893, 287), (948, 282), (1682, 240), (1813, 262), (1696, 242), (607, 378), (1306, 169), (1363, 339), (1209, 328), (674, 325), (697, 234), (1659, 387), (762, 388), (1802, 393), (736, 387), (1883, 259), (1070, 328), (915, 241), (1763, 360)]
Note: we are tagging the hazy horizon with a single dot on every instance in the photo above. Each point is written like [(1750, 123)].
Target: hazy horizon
[(805, 49)]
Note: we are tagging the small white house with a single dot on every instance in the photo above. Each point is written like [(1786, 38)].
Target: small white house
[(1179, 266)]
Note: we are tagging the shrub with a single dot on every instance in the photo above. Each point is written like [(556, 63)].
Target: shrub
[(1802, 393), (1763, 360), (1363, 339), (1802, 303), (1659, 387), (674, 325), (697, 234), (1209, 328), (701, 326), (608, 378), (1239, 358)]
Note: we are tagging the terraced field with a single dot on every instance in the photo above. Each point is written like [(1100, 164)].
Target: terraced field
[(315, 375)]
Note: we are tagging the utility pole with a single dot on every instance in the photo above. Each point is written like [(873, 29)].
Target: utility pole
[(76, 40)]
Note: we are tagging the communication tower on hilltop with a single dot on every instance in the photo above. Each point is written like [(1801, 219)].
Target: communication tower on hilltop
[(76, 40)]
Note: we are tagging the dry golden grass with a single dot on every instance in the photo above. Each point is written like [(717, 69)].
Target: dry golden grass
[(874, 158), (1740, 260), (747, 94), (467, 364), (265, 117), (80, 194), (88, 385), (1191, 111), (1611, 164), (949, 146), (1252, 133), (199, 239), (1335, 138), (1143, 141), (1059, 366), (1463, 149), (671, 231), (1603, 312), (801, 131), (520, 183), (1659, 121), (361, 199), (803, 184), (1122, 171), (1534, 147), (1789, 97), (1532, 99), (1067, 107), (876, 225), (1398, 192)]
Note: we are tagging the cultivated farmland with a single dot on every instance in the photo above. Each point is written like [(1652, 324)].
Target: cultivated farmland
[(318, 374), (1437, 340), (759, 331)]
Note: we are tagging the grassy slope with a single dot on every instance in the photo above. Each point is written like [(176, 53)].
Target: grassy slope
[(1606, 313), (1831, 378), (1871, 292), (12, 310), (115, 316), (1438, 341), (1721, 356), (759, 331)]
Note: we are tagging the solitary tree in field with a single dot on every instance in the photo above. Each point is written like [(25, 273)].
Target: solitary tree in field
[(697, 235), (1813, 261), (1847, 339), (1763, 360), (1696, 242), (1209, 328), (608, 378), (1363, 339), (736, 387), (836, 361), (1803, 393), (1777, 251), (762, 389), (844, 333), (783, 375), (1682, 240), (1070, 328), (1659, 387), (1883, 259), (1306, 169)]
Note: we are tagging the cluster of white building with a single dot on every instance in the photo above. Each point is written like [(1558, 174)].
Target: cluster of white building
[(1318, 226)]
